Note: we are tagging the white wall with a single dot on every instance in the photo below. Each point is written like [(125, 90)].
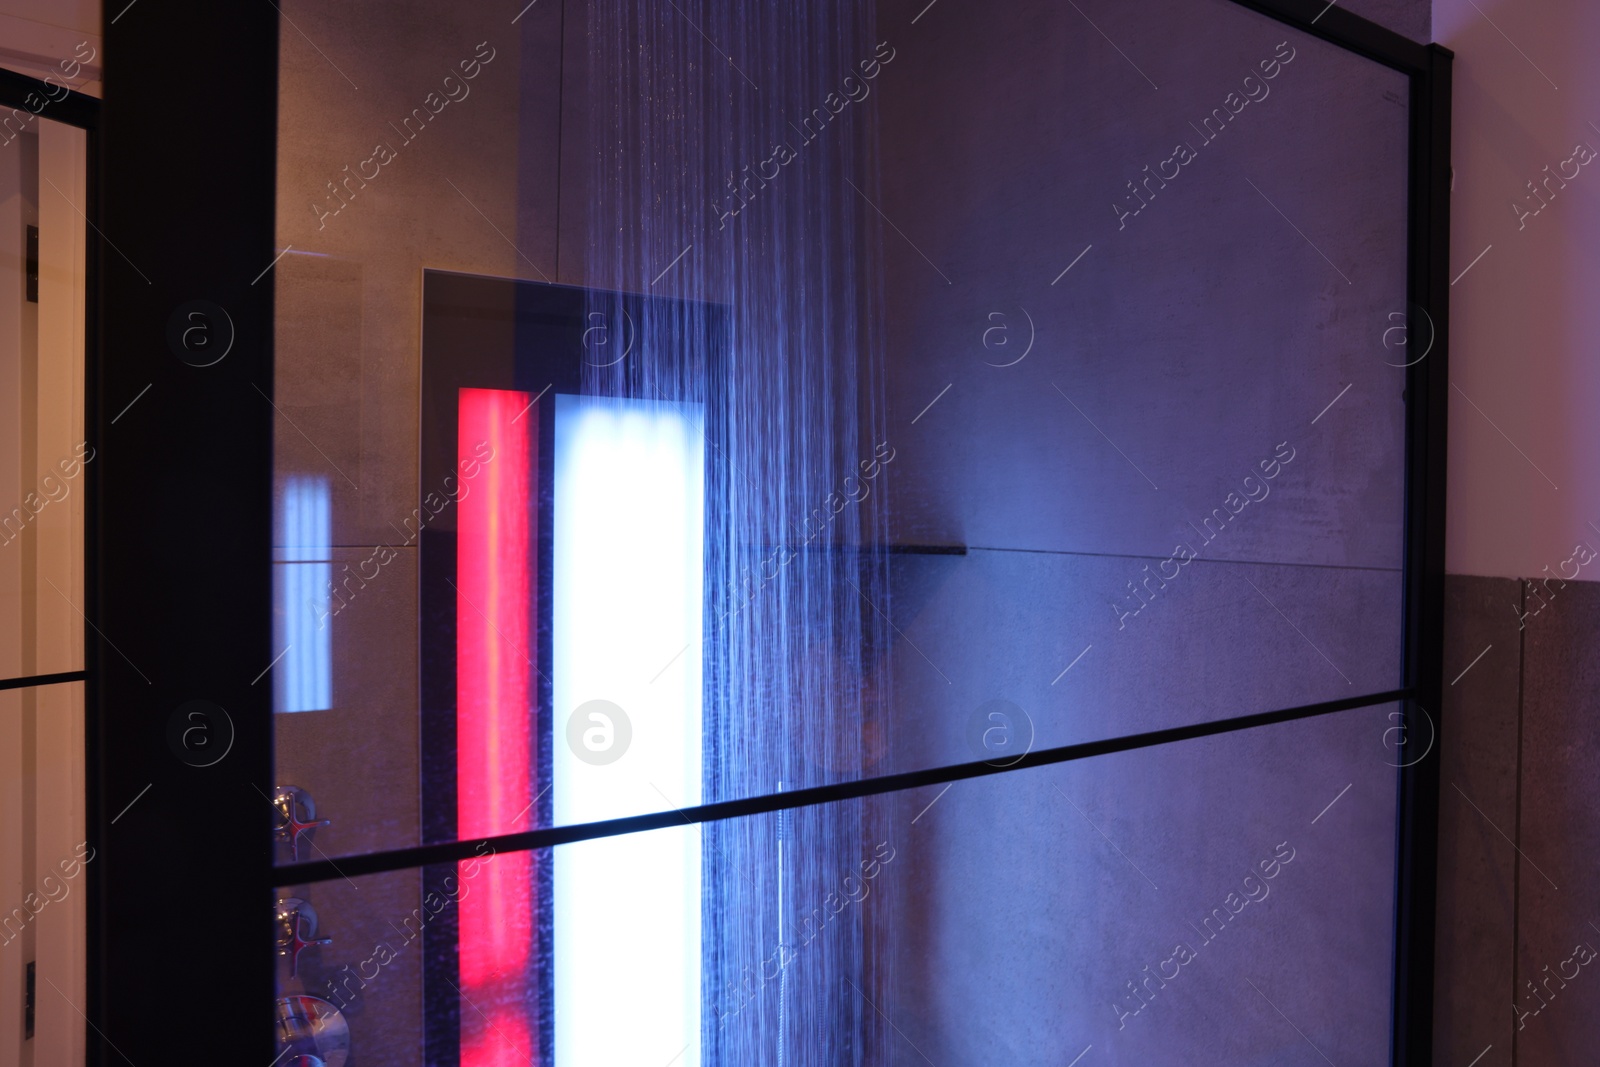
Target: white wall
[(37, 35), (1524, 473)]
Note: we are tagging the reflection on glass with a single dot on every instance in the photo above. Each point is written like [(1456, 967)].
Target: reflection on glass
[(44, 457), (45, 462), (303, 678)]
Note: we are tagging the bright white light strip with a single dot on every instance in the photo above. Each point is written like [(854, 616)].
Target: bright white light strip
[(628, 559), (302, 680)]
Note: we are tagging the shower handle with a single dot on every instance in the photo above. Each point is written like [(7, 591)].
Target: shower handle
[(298, 925), (290, 801)]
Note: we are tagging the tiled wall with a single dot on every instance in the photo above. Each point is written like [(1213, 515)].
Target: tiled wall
[(1518, 824)]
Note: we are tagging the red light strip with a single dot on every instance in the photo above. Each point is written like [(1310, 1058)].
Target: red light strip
[(494, 723)]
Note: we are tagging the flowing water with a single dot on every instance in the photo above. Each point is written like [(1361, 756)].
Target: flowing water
[(729, 160)]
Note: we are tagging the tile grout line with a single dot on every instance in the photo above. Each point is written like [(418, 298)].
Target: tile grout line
[(1516, 870)]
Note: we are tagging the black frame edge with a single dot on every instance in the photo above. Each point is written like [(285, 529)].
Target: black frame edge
[(183, 596), (1427, 408), (1349, 31), (73, 109), (43, 679)]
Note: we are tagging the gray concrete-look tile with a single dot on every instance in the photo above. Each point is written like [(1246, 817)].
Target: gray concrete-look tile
[(1477, 866)]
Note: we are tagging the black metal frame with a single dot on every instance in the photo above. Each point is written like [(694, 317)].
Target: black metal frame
[(454, 851), (1427, 396), (66, 106), (182, 177), (179, 898), (34, 680)]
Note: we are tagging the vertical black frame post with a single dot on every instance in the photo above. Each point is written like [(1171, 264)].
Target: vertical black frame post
[(179, 536), (1427, 405)]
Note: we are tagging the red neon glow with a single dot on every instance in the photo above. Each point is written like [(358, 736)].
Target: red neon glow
[(494, 722)]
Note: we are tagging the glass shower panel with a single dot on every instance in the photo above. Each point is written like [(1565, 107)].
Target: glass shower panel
[(1219, 901), (1158, 401), (1047, 364)]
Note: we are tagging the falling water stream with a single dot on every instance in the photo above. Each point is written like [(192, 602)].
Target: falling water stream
[(728, 160)]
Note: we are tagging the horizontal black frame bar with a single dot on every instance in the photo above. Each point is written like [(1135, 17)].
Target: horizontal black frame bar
[(868, 550), (451, 851), (73, 109), (1350, 31), (43, 679)]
